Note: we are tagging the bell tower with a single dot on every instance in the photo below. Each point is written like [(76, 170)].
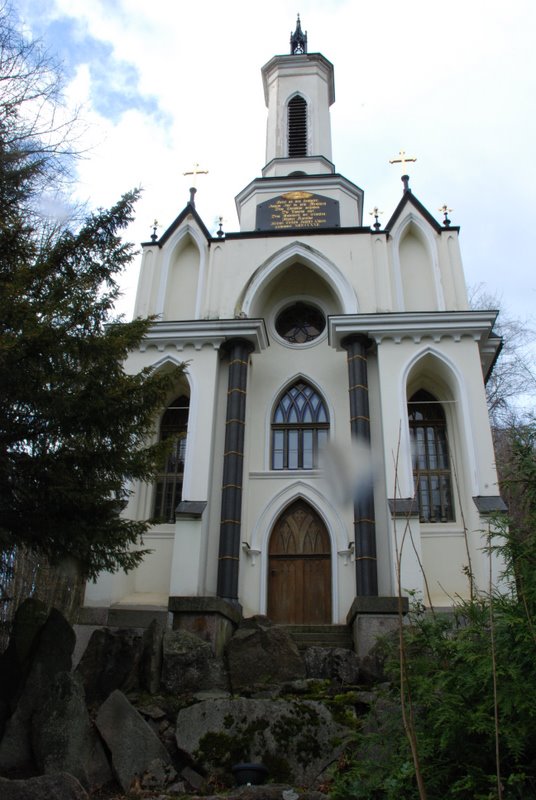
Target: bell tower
[(298, 89)]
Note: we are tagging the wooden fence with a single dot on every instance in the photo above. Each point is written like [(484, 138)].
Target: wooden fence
[(24, 574)]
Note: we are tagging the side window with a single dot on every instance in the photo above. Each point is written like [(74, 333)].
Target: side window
[(300, 427), (168, 490), (297, 127), (430, 455)]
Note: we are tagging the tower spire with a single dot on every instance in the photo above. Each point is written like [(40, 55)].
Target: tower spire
[(298, 40)]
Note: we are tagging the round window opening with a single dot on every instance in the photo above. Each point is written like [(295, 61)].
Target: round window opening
[(300, 323)]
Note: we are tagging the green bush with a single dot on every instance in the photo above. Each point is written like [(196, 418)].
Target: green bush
[(449, 684)]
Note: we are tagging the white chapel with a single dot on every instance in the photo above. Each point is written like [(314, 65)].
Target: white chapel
[(331, 437)]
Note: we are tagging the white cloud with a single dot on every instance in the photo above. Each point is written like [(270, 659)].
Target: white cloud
[(453, 85)]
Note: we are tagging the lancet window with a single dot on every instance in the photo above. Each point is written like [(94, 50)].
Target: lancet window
[(168, 491), (430, 455), (297, 127), (300, 428)]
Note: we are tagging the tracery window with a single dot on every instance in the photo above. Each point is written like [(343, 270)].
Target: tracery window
[(430, 455), (168, 490), (300, 323), (300, 428), (297, 127)]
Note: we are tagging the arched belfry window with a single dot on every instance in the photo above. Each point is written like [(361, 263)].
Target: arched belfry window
[(430, 455), (300, 427), (168, 491), (297, 127)]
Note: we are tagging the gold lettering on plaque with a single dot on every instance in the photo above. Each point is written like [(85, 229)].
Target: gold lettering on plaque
[(298, 210)]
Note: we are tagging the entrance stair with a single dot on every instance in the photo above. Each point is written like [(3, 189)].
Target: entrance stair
[(320, 636)]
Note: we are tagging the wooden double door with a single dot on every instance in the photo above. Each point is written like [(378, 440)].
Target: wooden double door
[(299, 568)]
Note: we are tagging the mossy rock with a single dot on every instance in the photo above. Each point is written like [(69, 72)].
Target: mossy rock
[(295, 739)]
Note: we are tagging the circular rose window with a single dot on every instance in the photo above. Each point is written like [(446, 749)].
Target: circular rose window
[(300, 323)]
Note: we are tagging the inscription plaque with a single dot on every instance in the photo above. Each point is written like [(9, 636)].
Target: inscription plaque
[(298, 210)]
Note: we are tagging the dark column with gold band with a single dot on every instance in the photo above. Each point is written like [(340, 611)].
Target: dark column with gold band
[(364, 520), (233, 459)]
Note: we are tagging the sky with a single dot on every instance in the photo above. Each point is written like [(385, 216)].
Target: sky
[(164, 84)]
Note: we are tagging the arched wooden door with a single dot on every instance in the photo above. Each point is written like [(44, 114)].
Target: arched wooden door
[(299, 568)]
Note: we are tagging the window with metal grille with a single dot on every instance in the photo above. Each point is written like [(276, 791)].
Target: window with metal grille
[(430, 454), (300, 428), (168, 490), (297, 127)]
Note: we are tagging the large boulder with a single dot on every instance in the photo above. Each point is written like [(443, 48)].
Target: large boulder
[(52, 654), (296, 740), (189, 664), (332, 663), (130, 740), (262, 657), (15, 662), (45, 787), (63, 737), (111, 661)]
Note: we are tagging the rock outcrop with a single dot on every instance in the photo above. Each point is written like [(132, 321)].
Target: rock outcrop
[(52, 653), (334, 664), (111, 661), (262, 657), (44, 787), (296, 740), (189, 664), (132, 743), (138, 741), (63, 737)]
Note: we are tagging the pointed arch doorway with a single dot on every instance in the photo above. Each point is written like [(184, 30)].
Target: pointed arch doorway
[(299, 568)]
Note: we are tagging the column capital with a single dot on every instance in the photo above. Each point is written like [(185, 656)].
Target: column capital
[(236, 342), (356, 338)]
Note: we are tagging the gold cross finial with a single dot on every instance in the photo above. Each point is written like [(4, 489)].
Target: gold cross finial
[(155, 227), (403, 160), (376, 213), (196, 171), (445, 210)]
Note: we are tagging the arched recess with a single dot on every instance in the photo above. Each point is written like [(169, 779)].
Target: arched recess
[(183, 275), (183, 388), (257, 294), (433, 372), (417, 275), (299, 567), (328, 513)]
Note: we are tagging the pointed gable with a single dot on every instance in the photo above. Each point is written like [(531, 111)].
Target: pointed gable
[(189, 210), (409, 199)]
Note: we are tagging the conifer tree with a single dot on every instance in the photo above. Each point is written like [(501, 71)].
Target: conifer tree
[(74, 425)]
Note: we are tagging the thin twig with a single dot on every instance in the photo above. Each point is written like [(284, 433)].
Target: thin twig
[(494, 675), (408, 720), (470, 573)]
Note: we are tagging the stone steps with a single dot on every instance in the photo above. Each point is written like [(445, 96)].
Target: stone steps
[(320, 636)]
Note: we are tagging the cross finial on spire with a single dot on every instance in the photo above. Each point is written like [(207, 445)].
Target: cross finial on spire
[(376, 213), (298, 40), (445, 210), (194, 172), (403, 160), (155, 226)]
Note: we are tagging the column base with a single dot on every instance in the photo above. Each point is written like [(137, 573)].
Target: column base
[(371, 617), (212, 619)]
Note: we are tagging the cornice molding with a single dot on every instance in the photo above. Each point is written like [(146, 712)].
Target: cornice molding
[(416, 326), (205, 333)]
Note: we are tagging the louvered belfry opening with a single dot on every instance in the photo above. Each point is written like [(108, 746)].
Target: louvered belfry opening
[(297, 127)]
